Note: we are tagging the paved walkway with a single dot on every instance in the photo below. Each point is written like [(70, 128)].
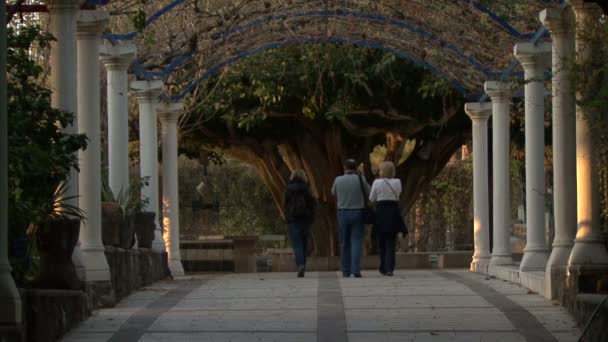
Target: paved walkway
[(411, 306)]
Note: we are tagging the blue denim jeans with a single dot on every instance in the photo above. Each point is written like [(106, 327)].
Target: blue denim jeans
[(351, 230), (298, 234), (387, 243)]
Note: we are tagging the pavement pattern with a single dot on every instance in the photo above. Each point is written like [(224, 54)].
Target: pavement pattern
[(414, 305)]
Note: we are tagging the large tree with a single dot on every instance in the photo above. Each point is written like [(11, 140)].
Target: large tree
[(312, 106)]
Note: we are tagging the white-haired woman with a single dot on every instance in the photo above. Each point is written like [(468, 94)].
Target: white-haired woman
[(389, 222), (300, 213)]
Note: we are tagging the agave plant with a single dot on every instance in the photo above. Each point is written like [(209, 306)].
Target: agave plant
[(57, 208)]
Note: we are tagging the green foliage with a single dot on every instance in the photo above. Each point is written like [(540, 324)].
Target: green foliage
[(130, 200), (321, 82), (40, 154), (246, 205)]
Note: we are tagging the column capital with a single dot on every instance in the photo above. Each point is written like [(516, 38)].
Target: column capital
[(169, 112), (499, 91), (91, 23), (478, 111), (147, 90), (557, 21), (117, 57), (63, 5), (533, 56)]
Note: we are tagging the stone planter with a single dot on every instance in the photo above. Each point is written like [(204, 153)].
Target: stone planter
[(111, 220), (127, 232), (56, 240), (144, 228), (244, 253)]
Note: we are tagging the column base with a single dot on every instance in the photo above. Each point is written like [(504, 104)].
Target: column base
[(480, 265), (504, 259), (176, 268), (588, 252), (10, 311), (158, 244), (78, 264), (534, 260), (96, 267), (559, 256)]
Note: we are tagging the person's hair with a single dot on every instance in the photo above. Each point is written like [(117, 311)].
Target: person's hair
[(350, 164), (387, 169), (298, 175)]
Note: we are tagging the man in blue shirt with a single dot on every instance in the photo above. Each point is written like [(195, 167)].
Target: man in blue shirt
[(351, 191)]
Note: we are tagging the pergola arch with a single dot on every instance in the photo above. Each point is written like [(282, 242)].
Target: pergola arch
[(462, 52)]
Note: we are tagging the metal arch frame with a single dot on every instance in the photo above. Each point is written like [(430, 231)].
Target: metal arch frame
[(476, 5), (141, 72), (213, 70)]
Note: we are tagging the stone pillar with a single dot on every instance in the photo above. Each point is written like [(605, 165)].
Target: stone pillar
[(534, 59), (479, 113), (90, 26), (561, 26), (147, 93), (62, 25), (10, 310), (116, 59), (168, 116), (501, 94), (588, 246)]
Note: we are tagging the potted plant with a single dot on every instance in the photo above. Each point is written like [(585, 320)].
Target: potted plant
[(137, 221), (111, 216), (56, 230)]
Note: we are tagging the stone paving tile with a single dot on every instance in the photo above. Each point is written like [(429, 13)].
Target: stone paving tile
[(402, 302), (276, 303), (77, 336), (237, 320), (107, 320), (229, 337), (437, 337), (554, 318), (427, 320)]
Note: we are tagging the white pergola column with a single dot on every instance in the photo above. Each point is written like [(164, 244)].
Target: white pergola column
[(116, 59), (147, 93), (62, 25), (589, 248), (501, 93), (561, 26), (90, 26), (10, 310), (479, 113), (168, 116), (534, 59)]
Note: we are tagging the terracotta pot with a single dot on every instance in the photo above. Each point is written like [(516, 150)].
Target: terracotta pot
[(56, 240), (111, 220), (127, 232), (144, 228)]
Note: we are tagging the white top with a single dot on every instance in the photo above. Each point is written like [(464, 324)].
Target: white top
[(381, 191)]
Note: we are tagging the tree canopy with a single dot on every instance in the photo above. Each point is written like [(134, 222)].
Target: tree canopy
[(312, 106)]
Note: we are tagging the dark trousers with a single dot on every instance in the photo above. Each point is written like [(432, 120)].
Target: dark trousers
[(387, 243), (298, 234), (350, 233)]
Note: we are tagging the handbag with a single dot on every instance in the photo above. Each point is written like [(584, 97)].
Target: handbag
[(368, 214), (404, 229)]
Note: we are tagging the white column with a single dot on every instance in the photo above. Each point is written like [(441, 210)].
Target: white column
[(90, 27), (534, 59), (589, 248), (479, 113), (116, 59), (561, 26), (62, 25), (501, 94), (147, 93), (168, 116), (10, 310)]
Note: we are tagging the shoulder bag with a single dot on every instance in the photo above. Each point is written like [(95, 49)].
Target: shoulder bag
[(369, 216)]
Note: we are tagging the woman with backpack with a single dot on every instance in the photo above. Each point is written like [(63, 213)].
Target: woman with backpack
[(389, 222), (299, 212)]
